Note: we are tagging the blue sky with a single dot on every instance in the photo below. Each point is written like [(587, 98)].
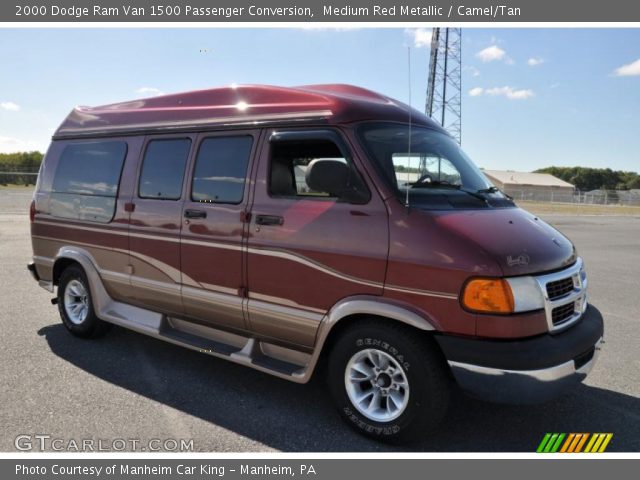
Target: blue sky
[(531, 97)]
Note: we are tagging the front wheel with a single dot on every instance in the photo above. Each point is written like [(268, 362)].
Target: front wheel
[(388, 381)]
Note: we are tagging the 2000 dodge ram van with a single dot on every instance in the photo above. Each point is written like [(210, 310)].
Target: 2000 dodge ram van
[(285, 228)]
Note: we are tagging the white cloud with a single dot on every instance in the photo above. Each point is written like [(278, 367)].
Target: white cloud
[(151, 91), (13, 144), (10, 106), (420, 37), (491, 54), (508, 92), (535, 61), (629, 70)]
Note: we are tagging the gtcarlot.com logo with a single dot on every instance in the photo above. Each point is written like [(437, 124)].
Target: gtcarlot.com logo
[(46, 443), (574, 443)]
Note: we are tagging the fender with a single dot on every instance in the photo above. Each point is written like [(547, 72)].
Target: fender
[(99, 294), (364, 305)]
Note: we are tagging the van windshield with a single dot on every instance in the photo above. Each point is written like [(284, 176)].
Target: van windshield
[(433, 170)]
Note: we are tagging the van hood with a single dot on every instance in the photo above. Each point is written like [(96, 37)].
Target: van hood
[(520, 242)]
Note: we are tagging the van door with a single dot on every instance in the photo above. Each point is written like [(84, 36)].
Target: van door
[(155, 222), (307, 250), (212, 247)]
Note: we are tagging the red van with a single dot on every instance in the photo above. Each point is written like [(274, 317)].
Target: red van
[(288, 228)]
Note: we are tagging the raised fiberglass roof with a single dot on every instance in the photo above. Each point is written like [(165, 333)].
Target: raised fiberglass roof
[(238, 105)]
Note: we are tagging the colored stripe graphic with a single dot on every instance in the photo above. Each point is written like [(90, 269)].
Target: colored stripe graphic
[(581, 443), (544, 441), (606, 441), (567, 443), (574, 442)]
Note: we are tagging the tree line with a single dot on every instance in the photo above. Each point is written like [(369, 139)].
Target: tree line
[(586, 179), (14, 166)]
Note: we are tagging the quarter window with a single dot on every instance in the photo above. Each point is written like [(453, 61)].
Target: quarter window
[(85, 184), (221, 169), (90, 169), (163, 169)]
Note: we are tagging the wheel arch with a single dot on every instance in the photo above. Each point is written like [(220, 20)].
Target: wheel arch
[(68, 256), (349, 310)]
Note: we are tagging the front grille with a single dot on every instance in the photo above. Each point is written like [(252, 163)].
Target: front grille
[(562, 314), (559, 288), (565, 296)]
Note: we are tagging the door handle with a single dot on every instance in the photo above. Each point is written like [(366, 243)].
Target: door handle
[(195, 214), (269, 220)]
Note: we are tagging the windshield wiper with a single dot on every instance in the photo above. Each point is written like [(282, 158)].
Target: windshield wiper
[(451, 186), (493, 189)]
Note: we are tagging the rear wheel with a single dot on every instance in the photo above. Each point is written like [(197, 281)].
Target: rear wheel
[(388, 382), (76, 306)]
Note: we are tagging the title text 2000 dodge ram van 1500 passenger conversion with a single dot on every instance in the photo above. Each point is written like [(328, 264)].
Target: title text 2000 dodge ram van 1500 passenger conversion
[(279, 228)]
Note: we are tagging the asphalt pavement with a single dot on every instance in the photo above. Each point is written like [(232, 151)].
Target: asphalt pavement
[(128, 386)]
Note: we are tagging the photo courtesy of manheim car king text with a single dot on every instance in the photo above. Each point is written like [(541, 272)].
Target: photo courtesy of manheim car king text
[(319, 240)]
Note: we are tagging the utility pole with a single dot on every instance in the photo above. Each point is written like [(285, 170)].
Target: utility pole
[(444, 88)]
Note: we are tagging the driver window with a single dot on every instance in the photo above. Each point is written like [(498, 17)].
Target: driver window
[(288, 167)]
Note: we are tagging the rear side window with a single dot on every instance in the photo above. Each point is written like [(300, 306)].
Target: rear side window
[(221, 169), (163, 169), (90, 169), (86, 181)]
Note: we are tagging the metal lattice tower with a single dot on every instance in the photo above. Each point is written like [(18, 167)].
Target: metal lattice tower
[(444, 90)]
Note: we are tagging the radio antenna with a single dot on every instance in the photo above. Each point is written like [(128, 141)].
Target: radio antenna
[(406, 202)]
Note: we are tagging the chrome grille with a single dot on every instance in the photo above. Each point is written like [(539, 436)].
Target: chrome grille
[(565, 296), (562, 314), (559, 288)]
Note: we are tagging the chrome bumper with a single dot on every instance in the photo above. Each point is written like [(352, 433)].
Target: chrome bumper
[(522, 386)]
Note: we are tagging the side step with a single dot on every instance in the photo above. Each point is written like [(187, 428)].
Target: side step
[(273, 359)]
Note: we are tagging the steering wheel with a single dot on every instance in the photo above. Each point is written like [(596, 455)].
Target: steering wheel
[(426, 178)]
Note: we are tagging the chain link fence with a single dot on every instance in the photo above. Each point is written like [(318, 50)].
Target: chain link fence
[(593, 197), (18, 178)]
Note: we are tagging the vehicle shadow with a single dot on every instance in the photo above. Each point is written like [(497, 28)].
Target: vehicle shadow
[(292, 417)]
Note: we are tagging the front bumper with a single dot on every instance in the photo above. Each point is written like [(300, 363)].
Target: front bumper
[(529, 370)]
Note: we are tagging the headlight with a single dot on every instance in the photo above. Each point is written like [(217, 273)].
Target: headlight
[(500, 295), (526, 294)]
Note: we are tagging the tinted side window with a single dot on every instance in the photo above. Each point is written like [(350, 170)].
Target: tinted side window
[(221, 169), (85, 184), (288, 169), (163, 169), (90, 169)]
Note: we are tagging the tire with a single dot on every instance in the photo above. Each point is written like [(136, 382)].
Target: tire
[(76, 306), (397, 414)]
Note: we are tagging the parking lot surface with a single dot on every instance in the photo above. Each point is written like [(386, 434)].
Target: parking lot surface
[(129, 386)]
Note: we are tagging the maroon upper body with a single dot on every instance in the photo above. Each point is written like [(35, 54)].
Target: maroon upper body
[(324, 251)]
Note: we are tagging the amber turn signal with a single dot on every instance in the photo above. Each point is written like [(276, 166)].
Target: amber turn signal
[(488, 295)]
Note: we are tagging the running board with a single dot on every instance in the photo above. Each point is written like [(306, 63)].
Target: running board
[(269, 358)]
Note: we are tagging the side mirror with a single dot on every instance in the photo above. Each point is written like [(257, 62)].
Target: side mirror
[(329, 175)]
